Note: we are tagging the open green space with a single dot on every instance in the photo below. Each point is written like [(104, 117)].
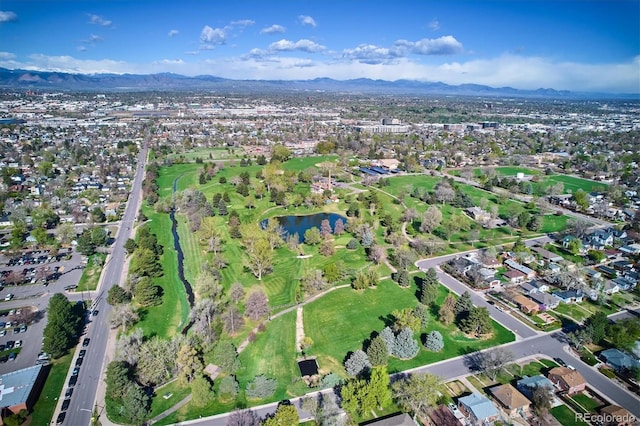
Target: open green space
[(566, 416), (168, 318), (588, 403), (160, 403), (45, 406), (572, 183), (207, 154), (91, 274), (513, 171)]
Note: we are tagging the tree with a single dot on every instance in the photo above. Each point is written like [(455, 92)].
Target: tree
[(406, 347), (406, 318), (623, 333), (493, 361), (418, 393), (446, 313), (444, 193), (136, 404), (232, 320), (97, 215), (326, 248), (236, 292), (128, 347), (477, 323), (243, 418), (117, 379), (325, 229), (402, 277), (542, 397), (581, 199), (357, 398), (259, 258), (431, 219), (229, 388), (314, 281), (145, 262), (225, 356), (312, 236), (357, 363), (261, 387), (338, 227), (428, 292), (596, 326), (463, 305), (130, 245), (257, 305), (207, 285), (377, 351), (147, 293), (189, 363), (117, 295), (201, 391), (122, 315), (203, 315), (85, 244), (377, 254), (379, 386), (64, 321), (434, 341), (156, 361), (389, 339), (286, 414)]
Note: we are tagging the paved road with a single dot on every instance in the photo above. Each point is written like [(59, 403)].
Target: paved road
[(84, 395)]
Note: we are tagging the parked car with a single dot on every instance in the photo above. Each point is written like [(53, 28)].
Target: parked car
[(8, 297), (85, 342), (68, 393), (65, 404), (79, 362), (18, 344), (73, 380), (60, 418), (12, 356), (82, 353)]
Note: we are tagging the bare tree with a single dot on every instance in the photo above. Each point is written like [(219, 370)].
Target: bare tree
[(232, 320), (431, 219), (243, 418), (494, 361), (257, 305), (122, 315), (236, 292), (128, 347), (377, 254)]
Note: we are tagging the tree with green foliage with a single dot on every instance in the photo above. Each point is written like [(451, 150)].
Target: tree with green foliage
[(147, 293), (389, 338), (402, 277), (581, 199), (418, 393), (259, 258), (117, 379), (463, 305), (406, 318), (477, 323), (377, 351), (85, 244), (286, 414), (379, 386), (225, 356), (201, 391), (312, 236), (357, 398), (189, 363), (279, 153), (596, 326), (261, 387), (136, 404), (64, 322), (145, 262), (624, 333), (118, 295), (130, 245), (229, 388), (97, 215), (428, 292), (332, 273)]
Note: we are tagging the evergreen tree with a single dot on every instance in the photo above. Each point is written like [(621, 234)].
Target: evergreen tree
[(377, 351), (357, 363), (380, 386), (406, 346), (434, 341), (463, 305), (389, 339)]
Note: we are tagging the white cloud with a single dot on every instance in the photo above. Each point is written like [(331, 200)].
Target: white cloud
[(445, 45), (6, 55), (434, 24), (212, 36), (273, 29), (372, 54), (6, 16), (81, 48), (242, 23), (302, 45), (307, 20), (172, 33), (99, 20), (95, 38)]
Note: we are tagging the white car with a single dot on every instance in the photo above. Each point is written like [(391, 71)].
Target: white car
[(18, 344), (8, 297)]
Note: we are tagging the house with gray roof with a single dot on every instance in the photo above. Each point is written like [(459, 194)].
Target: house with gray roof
[(527, 385), (478, 409), (619, 360), (545, 300)]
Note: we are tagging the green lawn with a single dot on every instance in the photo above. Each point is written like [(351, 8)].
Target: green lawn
[(586, 402), (513, 171), (159, 404), (169, 317), (341, 321), (45, 406), (91, 273), (566, 416), (572, 183), (208, 154)]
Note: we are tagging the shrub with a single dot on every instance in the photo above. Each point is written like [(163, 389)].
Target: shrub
[(261, 387), (352, 244)]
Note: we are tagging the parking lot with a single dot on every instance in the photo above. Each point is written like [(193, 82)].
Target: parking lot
[(29, 299)]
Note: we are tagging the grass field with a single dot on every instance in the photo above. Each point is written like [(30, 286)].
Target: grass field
[(336, 329), (572, 183), (513, 171), (45, 406), (159, 404), (566, 416), (91, 274), (208, 154)]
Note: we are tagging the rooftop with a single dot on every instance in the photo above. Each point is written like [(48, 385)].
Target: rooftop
[(16, 386)]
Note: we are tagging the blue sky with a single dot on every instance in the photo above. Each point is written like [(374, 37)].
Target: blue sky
[(580, 45)]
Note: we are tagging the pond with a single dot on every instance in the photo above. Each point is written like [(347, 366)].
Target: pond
[(300, 224)]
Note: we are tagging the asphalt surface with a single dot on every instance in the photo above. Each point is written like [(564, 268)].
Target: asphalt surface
[(83, 400)]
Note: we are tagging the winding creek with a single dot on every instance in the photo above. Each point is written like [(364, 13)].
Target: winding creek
[(178, 249)]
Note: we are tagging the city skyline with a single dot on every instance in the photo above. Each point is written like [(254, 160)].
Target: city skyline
[(585, 46)]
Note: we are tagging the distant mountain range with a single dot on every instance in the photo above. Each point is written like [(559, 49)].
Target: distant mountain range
[(45, 80)]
